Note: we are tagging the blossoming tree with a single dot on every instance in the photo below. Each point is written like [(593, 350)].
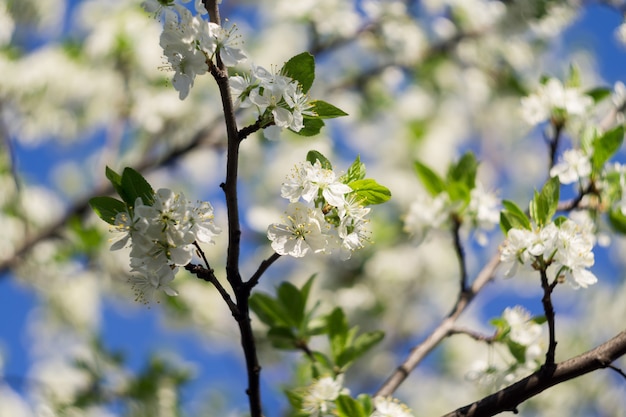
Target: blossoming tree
[(449, 188)]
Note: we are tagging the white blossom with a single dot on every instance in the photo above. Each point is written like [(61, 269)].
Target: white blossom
[(553, 97), (319, 397), (390, 407), (574, 166), (304, 230)]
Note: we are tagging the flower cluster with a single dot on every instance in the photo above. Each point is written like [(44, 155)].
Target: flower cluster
[(426, 214), (563, 248), (189, 42), (333, 218), (273, 94), (553, 100), (162, 237), (521, 335)]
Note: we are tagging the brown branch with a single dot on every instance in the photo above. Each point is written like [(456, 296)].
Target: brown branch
[(509, 398), (254, 280), (548, 309), (242, 292), (419, 352)]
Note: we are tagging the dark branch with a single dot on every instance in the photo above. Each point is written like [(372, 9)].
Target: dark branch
[(548, 309), (509, 398), (254, 280)]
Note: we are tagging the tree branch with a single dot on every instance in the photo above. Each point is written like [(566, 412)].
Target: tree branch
[(443, 330), (509, 398)]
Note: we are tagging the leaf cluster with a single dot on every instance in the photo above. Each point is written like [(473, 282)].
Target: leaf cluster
[(130, 186), (291, 325)]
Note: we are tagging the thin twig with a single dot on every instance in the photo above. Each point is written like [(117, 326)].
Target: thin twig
[(254, 280), (460, 253), (419, 352), (208, 275), (479, 337)]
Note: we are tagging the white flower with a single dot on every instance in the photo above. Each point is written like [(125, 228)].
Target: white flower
[(552, 98), (574, 166), (308, 179), (161, 237), (523, 330), (319, 398), (426, 214), (145, 281), (225, 43), (390, 407), (484, 212), (574, 254), (305, 230)]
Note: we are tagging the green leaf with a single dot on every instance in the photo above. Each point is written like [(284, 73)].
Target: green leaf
[(355, 172), (302, 69), (544, 204), (433, 183), (312, 126), (107, 208), (326, 110), (268, 310), (337, 331), (294, 304), (282, 338), (458, 191), (518, 351), (598, 94), (116, 181), (464, 171), (134, 186), (314, 156), (369, 192), (606, 146), (366, 402), (574, 77), (512, 217), (539, 319), (349, 407), (359, 347), (617, 220)]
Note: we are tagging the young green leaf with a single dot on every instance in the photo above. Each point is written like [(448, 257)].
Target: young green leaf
[(326, 110), (544, 204), (598, 94), (337, 331), (268, 310), (302, 69), (606, 146), (107, 208), (355, 172), (349, 407), (116, 181), (359, 347), (433, 183), (134, 186), (464, 171), (293, 303), (314, 156), (312, 127), (512, 217), (369, 192), (617, 220)]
